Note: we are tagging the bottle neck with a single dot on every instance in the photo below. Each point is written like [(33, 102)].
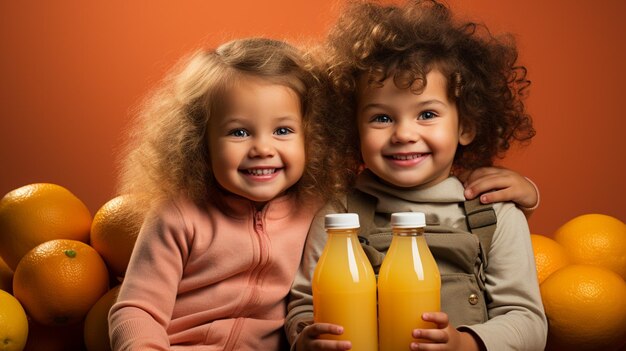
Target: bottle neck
[(408, 231), (342, 231)]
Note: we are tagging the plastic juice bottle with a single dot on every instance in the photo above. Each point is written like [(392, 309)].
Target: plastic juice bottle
[(409, 283), (344, 285)]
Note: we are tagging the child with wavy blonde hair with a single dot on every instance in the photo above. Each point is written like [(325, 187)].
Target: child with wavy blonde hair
[(228, 160), (422, 97)]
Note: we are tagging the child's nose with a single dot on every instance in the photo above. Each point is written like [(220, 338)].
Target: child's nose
[(262, 148), (405, 132)]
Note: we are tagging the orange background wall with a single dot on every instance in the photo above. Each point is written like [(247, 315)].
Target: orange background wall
[(72, 71)]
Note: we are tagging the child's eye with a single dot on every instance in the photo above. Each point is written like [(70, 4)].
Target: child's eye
[(239, 133), (382, 119), (427, 115), (283, 131)]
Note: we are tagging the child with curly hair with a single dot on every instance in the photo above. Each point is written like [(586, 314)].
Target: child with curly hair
[(228, 159), (425, 97)]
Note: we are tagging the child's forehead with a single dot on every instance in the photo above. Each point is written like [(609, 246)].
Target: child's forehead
[(257, 98), (246, 83), (401, 79), (242, 80)]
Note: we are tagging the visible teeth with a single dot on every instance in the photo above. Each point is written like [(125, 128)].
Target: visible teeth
[(264, 171), (406, 157)]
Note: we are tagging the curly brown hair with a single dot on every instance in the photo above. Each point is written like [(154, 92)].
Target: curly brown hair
[(406, 42), (167, 151)]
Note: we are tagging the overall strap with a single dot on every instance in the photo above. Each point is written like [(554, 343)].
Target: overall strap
[(482, 221), (365, 206)]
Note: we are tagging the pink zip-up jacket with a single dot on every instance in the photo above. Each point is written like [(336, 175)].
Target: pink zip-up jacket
[(211, 278)]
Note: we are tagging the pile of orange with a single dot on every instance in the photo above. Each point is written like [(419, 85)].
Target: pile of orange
[(582, 273), (57, 263)]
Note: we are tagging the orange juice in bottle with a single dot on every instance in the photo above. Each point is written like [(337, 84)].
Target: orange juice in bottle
[(344, 285), (408, 283)]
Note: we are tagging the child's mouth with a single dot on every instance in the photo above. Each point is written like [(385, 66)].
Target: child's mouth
[(406, 157), (260, 171)]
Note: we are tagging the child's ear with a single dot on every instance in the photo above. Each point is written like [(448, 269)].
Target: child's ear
[(466, 134)]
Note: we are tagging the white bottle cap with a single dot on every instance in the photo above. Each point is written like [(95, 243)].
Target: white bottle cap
[(341, 220), (408, 219)]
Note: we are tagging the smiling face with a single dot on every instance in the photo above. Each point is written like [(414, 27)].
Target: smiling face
[(409, 139), (257, 145)]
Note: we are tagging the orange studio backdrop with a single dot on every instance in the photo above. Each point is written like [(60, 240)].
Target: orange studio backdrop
[(72, 71)]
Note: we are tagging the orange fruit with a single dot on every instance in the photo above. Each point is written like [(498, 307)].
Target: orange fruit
[(586, 308), (114, 231), (550, 256), (595, 239), (58, 281), (6, 277), (36, 213), (13, 323), (96, 331)]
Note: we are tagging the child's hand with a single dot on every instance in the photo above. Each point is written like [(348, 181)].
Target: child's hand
[(500, 184), (308, 339), (444, 337)]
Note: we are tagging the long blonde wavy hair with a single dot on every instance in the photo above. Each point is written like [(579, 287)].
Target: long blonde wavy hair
[(167, 151)]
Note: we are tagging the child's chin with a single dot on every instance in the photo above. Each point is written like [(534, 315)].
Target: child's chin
[(412, 182), (403, 182), (265, 197)]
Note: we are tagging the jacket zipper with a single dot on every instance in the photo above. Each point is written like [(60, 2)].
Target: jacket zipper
[(255, 277), (260, 269)]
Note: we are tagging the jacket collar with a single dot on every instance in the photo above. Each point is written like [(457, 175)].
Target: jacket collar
[(239, 207)]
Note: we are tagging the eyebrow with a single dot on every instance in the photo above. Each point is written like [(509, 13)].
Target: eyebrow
[(281, 119), (290, 117), (227, 121), (420, 104)]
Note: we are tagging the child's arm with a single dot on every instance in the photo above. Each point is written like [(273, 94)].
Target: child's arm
[(496, 184), (308, 339), (300, 307), (445, 336), (516, 317), (139, 318)]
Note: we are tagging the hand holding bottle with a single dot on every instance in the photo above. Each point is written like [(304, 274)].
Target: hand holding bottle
[(444, 333), (308, 339)]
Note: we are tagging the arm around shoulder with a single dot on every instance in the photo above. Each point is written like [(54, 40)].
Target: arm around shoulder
[(528, 211)]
